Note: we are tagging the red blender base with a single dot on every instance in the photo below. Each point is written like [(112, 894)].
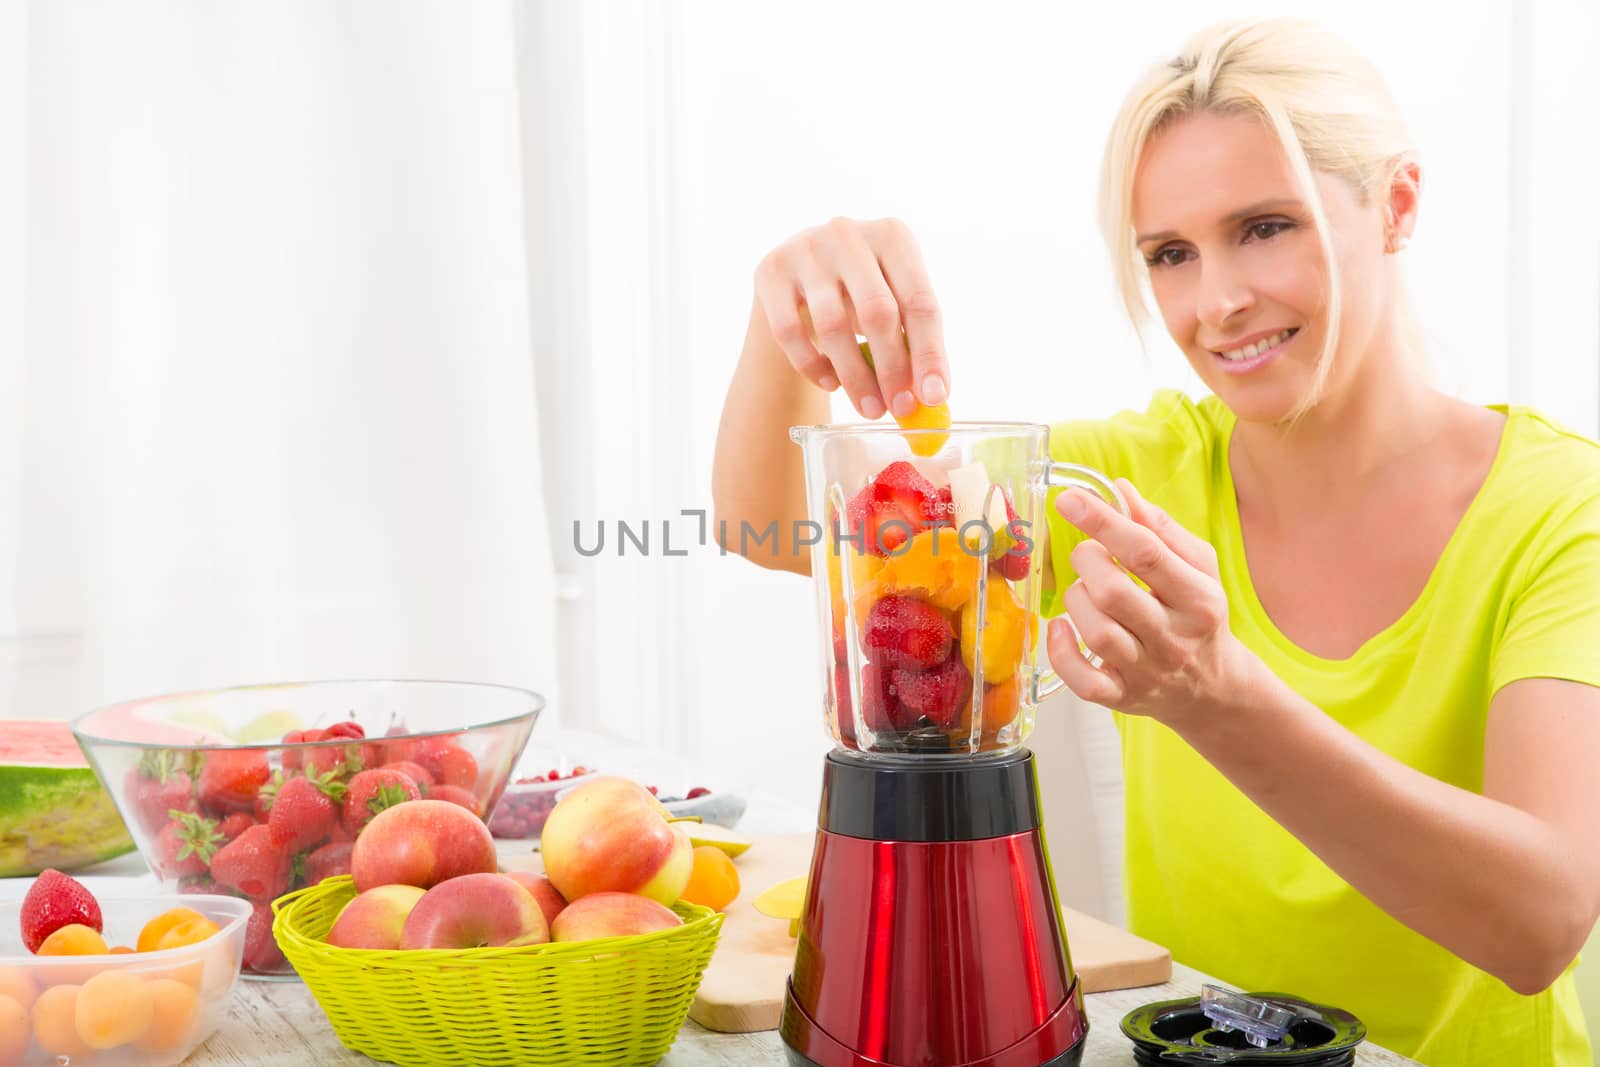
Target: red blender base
[(931, 935)]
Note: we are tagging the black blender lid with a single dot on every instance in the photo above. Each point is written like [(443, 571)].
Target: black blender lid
[(1180, 1031)]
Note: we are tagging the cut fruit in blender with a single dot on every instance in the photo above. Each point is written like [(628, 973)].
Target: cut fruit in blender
[(1005, 632), (1001, 704), (934, 566), (882, 710), (898, 503), (906, 632), (939, 694)]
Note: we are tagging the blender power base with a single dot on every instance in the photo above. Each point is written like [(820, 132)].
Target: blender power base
[(931, 932)]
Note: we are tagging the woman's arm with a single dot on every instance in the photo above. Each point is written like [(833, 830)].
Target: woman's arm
[(1508, 880), (758, 477)]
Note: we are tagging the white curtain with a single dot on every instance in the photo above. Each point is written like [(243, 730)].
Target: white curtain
[(267, 404)]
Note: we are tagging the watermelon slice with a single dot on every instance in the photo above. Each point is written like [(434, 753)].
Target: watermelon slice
[(53, 810)]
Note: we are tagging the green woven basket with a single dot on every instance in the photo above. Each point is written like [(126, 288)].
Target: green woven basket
[(618, 1000)]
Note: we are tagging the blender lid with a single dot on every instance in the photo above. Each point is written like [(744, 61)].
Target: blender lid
[(1227, 1027)]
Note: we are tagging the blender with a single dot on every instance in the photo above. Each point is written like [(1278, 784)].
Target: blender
[(931, 932)]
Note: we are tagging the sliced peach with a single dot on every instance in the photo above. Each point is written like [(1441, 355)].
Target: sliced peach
[(935, 566), (1005, 632)]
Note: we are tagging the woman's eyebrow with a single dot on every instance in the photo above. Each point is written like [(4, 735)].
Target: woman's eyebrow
[(1261, 208)]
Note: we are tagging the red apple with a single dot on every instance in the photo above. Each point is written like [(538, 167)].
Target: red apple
[(544, 891), (375, 918), (611, 835), (475, 911), (421, 843), (611, 915)]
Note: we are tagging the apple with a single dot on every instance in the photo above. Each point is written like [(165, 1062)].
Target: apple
[(375, 918), (544, 891), (475, 911), (421, 843), (611, 915), (611, 835)]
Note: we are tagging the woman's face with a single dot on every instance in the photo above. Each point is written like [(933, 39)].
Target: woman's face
[(1236, 268)]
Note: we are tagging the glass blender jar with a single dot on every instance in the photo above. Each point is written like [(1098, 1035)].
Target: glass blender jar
[(931, 931)]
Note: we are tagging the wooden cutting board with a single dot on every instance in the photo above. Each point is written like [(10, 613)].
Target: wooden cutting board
[(743, 987)]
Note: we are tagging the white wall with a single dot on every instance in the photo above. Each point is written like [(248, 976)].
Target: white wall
[(717, 128)]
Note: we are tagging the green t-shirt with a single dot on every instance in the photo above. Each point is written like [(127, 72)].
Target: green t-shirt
[(1228, 890)]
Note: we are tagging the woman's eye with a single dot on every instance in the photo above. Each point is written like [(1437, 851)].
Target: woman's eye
[(1263, 230), (1166, 257)]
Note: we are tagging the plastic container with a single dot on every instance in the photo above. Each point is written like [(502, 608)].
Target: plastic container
[(189, 1003), (617, 1001)]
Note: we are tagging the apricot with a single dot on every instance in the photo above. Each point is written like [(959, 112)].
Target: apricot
[(19, 985), (14, 1032), (156, 928), (114, 1008), (55, 1023), (187, 932), (74, 939), (714, 880), (175, 1008)]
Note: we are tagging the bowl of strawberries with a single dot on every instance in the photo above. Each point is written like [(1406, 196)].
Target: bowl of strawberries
[(257, 791)]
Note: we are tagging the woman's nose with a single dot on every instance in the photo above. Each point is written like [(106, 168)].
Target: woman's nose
[(1223, 293)]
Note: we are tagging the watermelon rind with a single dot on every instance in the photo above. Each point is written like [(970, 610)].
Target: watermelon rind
[(59, 817)]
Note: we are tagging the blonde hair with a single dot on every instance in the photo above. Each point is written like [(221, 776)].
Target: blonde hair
[(1327, 105)]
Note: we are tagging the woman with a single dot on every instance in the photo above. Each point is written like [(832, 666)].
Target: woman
[(1359, 698)]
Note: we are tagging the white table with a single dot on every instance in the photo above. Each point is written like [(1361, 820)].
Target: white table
[(278, 1024)]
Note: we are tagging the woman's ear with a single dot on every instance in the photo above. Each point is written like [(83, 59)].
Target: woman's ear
[(1400, 205)]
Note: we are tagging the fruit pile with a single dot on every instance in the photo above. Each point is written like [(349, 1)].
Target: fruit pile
[(74, 1010), (427, 878), (229, 821), (916, 553)]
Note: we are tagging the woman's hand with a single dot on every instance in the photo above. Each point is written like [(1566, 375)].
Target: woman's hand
[(1165, 651), (822, 287)]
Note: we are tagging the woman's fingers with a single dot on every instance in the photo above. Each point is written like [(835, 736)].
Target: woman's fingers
[(876, 312), (907, 276), (1098, 685), (824, 286), (1108, 587), (1195, 551), (1136, 547), (1101, 634)]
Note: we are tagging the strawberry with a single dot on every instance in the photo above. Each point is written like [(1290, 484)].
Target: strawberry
[(263, 801), (185, 845), (881, 709), (231, 778), (907, 632), (1014, 564), (372, 791), (156, 785), (234, 825), (456, 795), (256, 863), (261, 952), (293, 756), (204, 885), (414, 771), (452, 766), (938, 694), (338, 760), (304, 810), (53, 901), (329, 860)]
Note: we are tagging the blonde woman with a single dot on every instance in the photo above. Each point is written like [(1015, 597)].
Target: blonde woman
[(1360, 699)]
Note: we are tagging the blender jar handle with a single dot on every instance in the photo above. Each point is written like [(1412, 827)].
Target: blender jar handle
[(1072, 476)]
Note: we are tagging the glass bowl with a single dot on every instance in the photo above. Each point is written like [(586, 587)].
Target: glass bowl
[(191, 773), (180, 1019)]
